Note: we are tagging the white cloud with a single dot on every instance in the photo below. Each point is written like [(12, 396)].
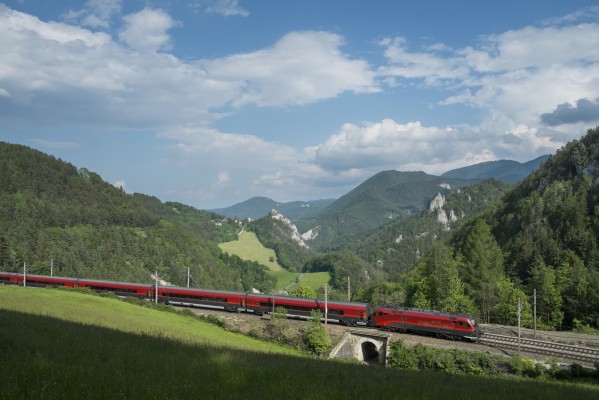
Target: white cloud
[(96, 13), (302, 67), (59, 72), (147, 29), (222, 178), (519, 74), (227, 8), (120, 184)]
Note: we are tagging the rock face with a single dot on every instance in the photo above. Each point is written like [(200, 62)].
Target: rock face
[(295, 236), (436, 206)]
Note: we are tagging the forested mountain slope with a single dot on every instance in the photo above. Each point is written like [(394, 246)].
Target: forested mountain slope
[(541, 237), (52, 211), (377, 201), (397, 246)]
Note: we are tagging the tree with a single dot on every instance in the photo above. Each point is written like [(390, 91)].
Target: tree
[(438, 285), (549, 299), (455, 300), (505, 310), (482, 268), (304, 291)]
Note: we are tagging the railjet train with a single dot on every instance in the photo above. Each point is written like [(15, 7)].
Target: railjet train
[(386, 317)]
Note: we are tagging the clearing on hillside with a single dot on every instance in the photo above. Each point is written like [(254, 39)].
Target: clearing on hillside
[(248, 247)]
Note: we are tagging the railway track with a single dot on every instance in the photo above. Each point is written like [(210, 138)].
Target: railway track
[(562, 351)]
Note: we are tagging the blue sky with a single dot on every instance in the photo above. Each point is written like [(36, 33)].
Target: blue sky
[(211, 102)]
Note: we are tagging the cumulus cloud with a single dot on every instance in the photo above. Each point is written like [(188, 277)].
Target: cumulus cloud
[(302, 67), (585, 110), (56, 71), (147, 30), (515, 74)]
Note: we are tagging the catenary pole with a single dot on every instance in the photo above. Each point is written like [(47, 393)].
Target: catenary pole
[(534, 302), (156, 288), (24, 274), (519, 315), (348, 289), (326, 305)]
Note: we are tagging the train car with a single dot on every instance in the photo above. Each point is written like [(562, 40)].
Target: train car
[(35, 280), (297, 307), (346, 313), (217, 299), (9, 278), (46, 281), (125, 289), (441, 324)]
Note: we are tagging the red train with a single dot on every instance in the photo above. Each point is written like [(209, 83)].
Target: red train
[(401, 319), (442, 324)]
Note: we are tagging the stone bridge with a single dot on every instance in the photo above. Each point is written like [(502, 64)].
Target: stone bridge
[(366, 345)]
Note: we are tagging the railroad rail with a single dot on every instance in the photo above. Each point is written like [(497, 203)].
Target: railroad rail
[(565, 351)]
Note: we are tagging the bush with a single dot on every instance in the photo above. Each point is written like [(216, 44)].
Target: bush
[(316, 339), (401, 357)]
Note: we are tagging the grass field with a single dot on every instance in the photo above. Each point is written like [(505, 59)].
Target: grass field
[(63, 345), (248, 247)]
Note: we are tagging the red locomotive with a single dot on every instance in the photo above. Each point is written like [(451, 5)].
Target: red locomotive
[(400, 319), (442, 324)]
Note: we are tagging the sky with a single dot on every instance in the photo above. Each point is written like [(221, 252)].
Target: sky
[(212, 102)]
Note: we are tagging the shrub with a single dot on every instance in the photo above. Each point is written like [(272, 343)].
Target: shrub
[(316, 339), (402, 357)]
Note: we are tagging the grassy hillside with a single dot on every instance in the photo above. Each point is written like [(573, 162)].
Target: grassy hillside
[(52, 347), (248, 247), (121, 316)]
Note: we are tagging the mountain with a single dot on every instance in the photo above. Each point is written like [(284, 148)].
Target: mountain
[(258, 207), (397, 246), (388, 195), (50, 211), (506, 170), (379, 200)]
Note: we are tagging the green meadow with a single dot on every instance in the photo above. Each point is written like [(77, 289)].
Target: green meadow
[(248, 247), (65, 345)]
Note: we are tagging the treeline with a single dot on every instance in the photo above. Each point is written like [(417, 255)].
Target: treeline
[(53, 213)]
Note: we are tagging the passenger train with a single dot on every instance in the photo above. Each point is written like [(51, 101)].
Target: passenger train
[(393, 318)]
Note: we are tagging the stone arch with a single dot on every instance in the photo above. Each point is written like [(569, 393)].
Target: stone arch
[(369, 351), (364, 345)]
